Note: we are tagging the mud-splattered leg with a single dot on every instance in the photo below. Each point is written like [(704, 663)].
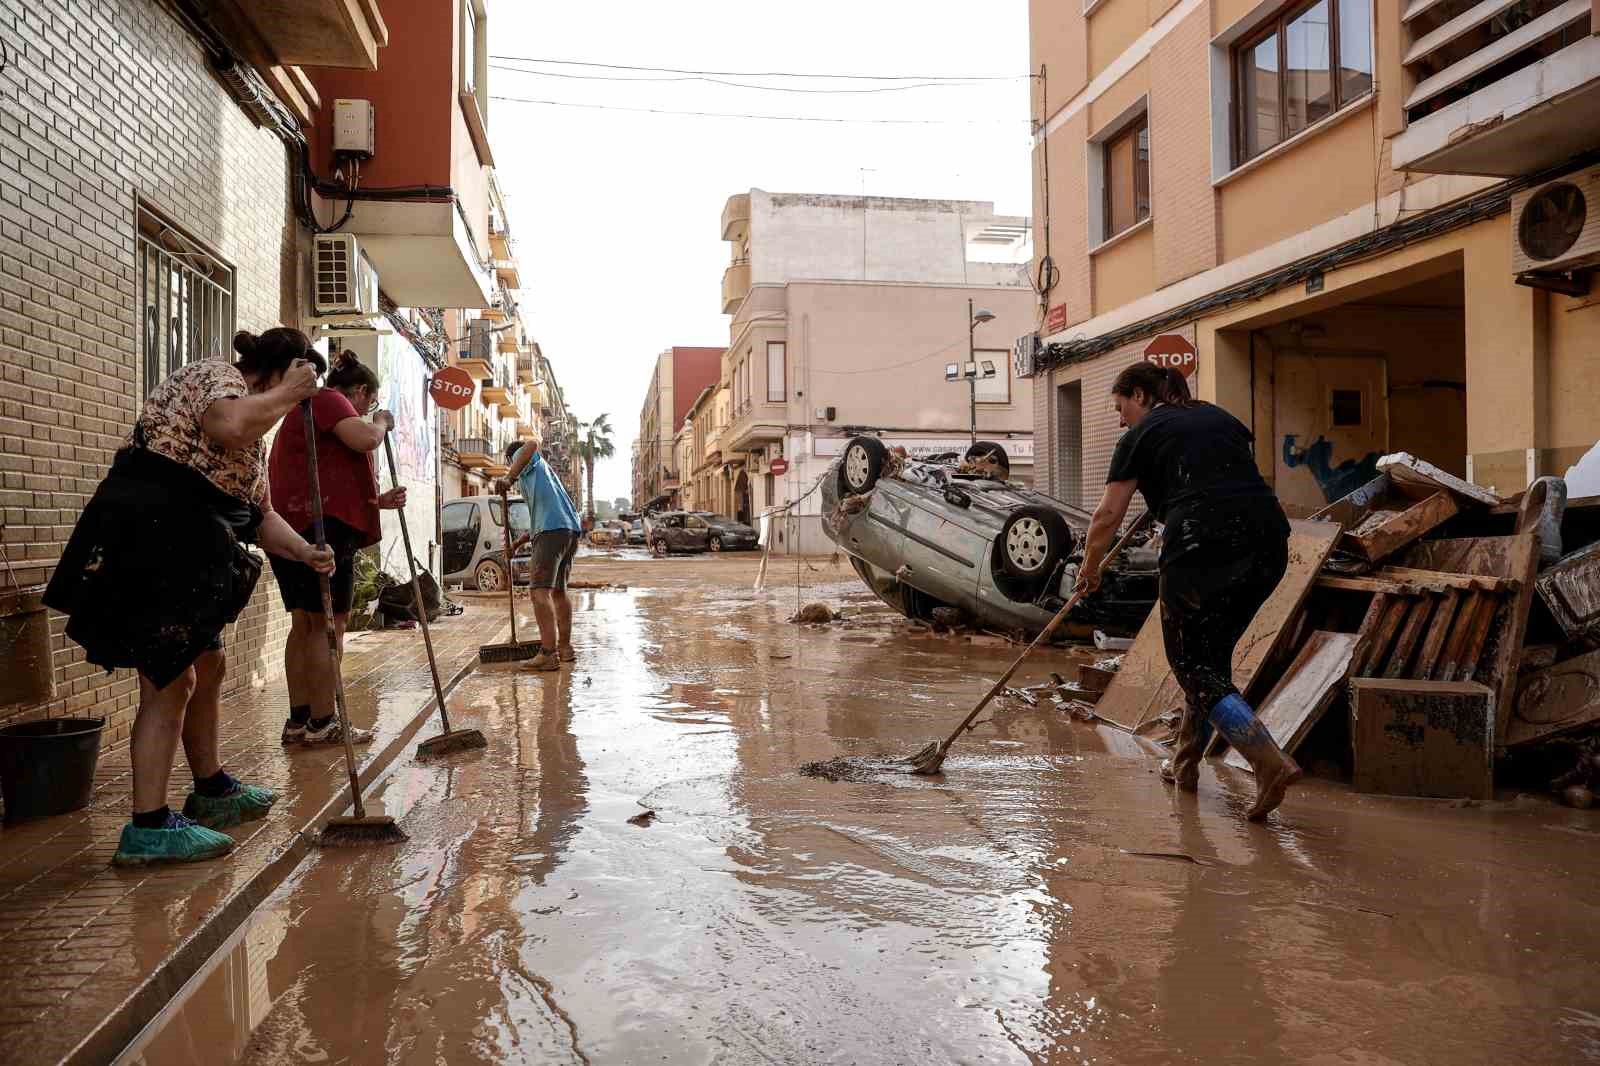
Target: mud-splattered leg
[(156, 728)]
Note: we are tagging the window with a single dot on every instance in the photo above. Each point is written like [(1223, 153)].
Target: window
[(998, 388), (1298, 69), (1346, 407), (459, 517), (474, 80), (186, 299), (777, 372), (1126, 158)]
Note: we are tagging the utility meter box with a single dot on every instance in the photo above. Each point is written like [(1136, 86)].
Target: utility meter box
[(354, 133)]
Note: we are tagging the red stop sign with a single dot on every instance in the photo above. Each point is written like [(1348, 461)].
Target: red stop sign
[(779, 467), (452, 388)]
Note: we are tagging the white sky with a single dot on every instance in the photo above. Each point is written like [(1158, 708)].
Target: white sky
[(617, 215)]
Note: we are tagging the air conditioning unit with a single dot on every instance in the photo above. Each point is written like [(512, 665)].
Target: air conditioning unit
[(343, 281), (1556, 226)]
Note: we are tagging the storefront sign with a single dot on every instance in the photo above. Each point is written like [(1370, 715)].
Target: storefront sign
[(1174, 351), (452, 388), (778, 467)]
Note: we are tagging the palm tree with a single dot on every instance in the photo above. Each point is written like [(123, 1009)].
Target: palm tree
[(594, 445)]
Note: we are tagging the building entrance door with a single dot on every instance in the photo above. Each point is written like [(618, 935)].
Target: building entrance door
[(1331, 420)]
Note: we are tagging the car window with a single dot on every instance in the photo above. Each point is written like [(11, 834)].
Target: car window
[(696, 523), (457, 516)]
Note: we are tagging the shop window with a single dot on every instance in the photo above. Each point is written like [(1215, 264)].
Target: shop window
[(1297, 69)]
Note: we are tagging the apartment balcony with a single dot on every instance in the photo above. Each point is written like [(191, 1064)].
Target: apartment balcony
[(478, 368), (494, 393), (507, 409), (318, 33), (505, 268), (525, 431), (506, 341), (735, 215), (499, 243), (1502, 87), (474, 453), (527, 373), (754, 425), (735, 285)]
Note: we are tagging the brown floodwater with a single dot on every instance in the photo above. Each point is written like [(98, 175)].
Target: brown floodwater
[(1045, 900)]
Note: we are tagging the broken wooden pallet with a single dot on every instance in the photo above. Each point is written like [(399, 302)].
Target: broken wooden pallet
[(1304, 693)]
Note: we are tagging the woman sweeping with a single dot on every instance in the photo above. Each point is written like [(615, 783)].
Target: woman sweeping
[(155, 569), (350, 505), (1224, 549)]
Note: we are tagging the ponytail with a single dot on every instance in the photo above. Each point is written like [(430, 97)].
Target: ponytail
[(1162, 384), (349, 372)]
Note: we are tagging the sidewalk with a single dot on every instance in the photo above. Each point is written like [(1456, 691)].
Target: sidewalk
[(92, 952)]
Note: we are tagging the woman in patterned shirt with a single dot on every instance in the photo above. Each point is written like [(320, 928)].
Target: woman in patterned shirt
[(155, 569)]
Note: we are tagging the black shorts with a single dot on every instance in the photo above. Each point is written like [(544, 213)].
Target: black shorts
[(551, 565), (299, 585)]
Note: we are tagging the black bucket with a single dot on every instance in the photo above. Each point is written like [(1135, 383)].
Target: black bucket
[(47, 766)]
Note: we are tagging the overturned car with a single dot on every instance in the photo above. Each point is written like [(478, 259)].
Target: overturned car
[(925, 535)]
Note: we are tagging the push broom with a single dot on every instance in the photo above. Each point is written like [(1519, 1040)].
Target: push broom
[(931, 758), (450, 740), (517, 650), (362, 828)]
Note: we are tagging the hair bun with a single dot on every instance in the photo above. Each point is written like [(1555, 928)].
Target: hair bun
[(346, 358), (244, 342)]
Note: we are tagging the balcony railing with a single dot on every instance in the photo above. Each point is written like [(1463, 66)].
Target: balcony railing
[(527, 373), (1501, 87), (735, 285), (474, 452), (493, 392)]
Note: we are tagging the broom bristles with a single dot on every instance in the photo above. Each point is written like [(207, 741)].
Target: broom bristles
[(928, 760), (508, 653), (360, 832), (455, 740)]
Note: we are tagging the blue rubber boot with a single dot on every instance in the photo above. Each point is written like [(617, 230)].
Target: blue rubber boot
[(180, 840), (243, 803), (1274, 770)]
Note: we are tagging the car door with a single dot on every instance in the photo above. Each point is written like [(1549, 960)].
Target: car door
[(461, 525), (696, 533), (944, 546)]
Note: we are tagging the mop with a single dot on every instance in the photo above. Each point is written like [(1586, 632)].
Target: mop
[(362, 828), (517, 650), (450, 740)]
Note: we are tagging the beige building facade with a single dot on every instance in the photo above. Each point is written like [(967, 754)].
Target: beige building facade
[(846, 312), (1321, 210)]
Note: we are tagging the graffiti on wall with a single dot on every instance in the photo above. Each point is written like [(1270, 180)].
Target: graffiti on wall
[(403, 393), (1336, 482)]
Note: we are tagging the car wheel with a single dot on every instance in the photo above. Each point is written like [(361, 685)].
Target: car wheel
[(1032, 541), (988, 449), (490, 576), (864, 458), (716, 544), (660, 548)]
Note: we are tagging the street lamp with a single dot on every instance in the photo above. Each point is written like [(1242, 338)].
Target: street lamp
[(972, 370)]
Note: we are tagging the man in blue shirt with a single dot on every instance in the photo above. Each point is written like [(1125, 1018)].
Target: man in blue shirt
[(553, 524)]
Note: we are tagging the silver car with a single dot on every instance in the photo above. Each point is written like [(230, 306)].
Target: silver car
[(924, 535)]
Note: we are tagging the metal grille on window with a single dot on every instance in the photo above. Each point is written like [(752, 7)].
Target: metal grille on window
[(186, 302)]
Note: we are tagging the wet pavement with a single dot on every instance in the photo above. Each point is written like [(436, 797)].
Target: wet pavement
[(1046, 900)]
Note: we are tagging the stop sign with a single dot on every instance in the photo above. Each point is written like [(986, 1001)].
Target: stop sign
[(452, 388)]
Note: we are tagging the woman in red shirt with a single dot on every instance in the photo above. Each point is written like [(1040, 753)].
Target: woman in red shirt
[(350, 505)]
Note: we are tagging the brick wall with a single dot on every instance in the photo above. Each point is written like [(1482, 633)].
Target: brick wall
[(102, 103), (1183, 204)]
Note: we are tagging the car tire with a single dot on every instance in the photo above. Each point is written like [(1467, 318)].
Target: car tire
[(659, 548), (984, 448), (490, 576), (1032, 541), (861, 465), (715, 544)]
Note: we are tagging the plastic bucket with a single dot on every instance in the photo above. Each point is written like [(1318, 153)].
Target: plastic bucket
[(47, 766)]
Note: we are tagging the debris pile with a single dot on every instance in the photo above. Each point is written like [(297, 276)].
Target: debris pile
[(1429, 639)]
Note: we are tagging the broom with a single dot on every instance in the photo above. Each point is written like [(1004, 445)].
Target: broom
[(517, 650), (930, 758), (450, 740), (362, 828)]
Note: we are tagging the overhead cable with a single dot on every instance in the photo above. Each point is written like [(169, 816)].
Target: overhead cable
[(735, 84), (767, 73), (767, 118)]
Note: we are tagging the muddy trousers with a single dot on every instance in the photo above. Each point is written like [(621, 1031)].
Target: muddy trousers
[(1209, 594)]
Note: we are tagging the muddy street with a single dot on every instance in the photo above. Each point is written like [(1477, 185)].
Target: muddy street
[(1046, 900)]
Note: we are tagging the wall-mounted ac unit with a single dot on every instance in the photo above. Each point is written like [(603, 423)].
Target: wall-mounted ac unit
[(343, 281), (1556, 226)]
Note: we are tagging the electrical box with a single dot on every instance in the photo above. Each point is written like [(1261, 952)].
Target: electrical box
[(354, 133)]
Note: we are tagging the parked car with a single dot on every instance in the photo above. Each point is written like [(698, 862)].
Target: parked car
[(928, 536), (727, 534), (608, 534), (678, 531), (636, 531), (474, 542)]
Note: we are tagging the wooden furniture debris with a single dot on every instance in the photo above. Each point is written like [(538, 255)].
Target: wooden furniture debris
[(1423, 738), (1385, 515), (1556, 700), (1407, 469), (1571, 590), (1144, 687), (1305, 691), (1094, 678), (1488, 631)]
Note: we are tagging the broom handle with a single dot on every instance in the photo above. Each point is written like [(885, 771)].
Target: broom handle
[(1044, 635), (320, 534), (416, 591), (511, 585)]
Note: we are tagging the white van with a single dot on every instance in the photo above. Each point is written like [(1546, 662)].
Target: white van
[(474, 542)]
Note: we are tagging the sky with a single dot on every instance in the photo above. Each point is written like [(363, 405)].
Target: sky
[(616, 214)]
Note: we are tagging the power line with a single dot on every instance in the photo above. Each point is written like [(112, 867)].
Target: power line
[(767, 118), (736, 84), (769, 73)]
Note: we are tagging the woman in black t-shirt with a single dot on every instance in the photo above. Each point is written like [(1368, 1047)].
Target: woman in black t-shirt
[(1224, 549)]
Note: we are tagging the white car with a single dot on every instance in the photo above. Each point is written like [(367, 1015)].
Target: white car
[(474, 542)]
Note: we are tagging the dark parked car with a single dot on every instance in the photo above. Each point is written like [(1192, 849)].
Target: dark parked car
[(924, 535), (727, 534)]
